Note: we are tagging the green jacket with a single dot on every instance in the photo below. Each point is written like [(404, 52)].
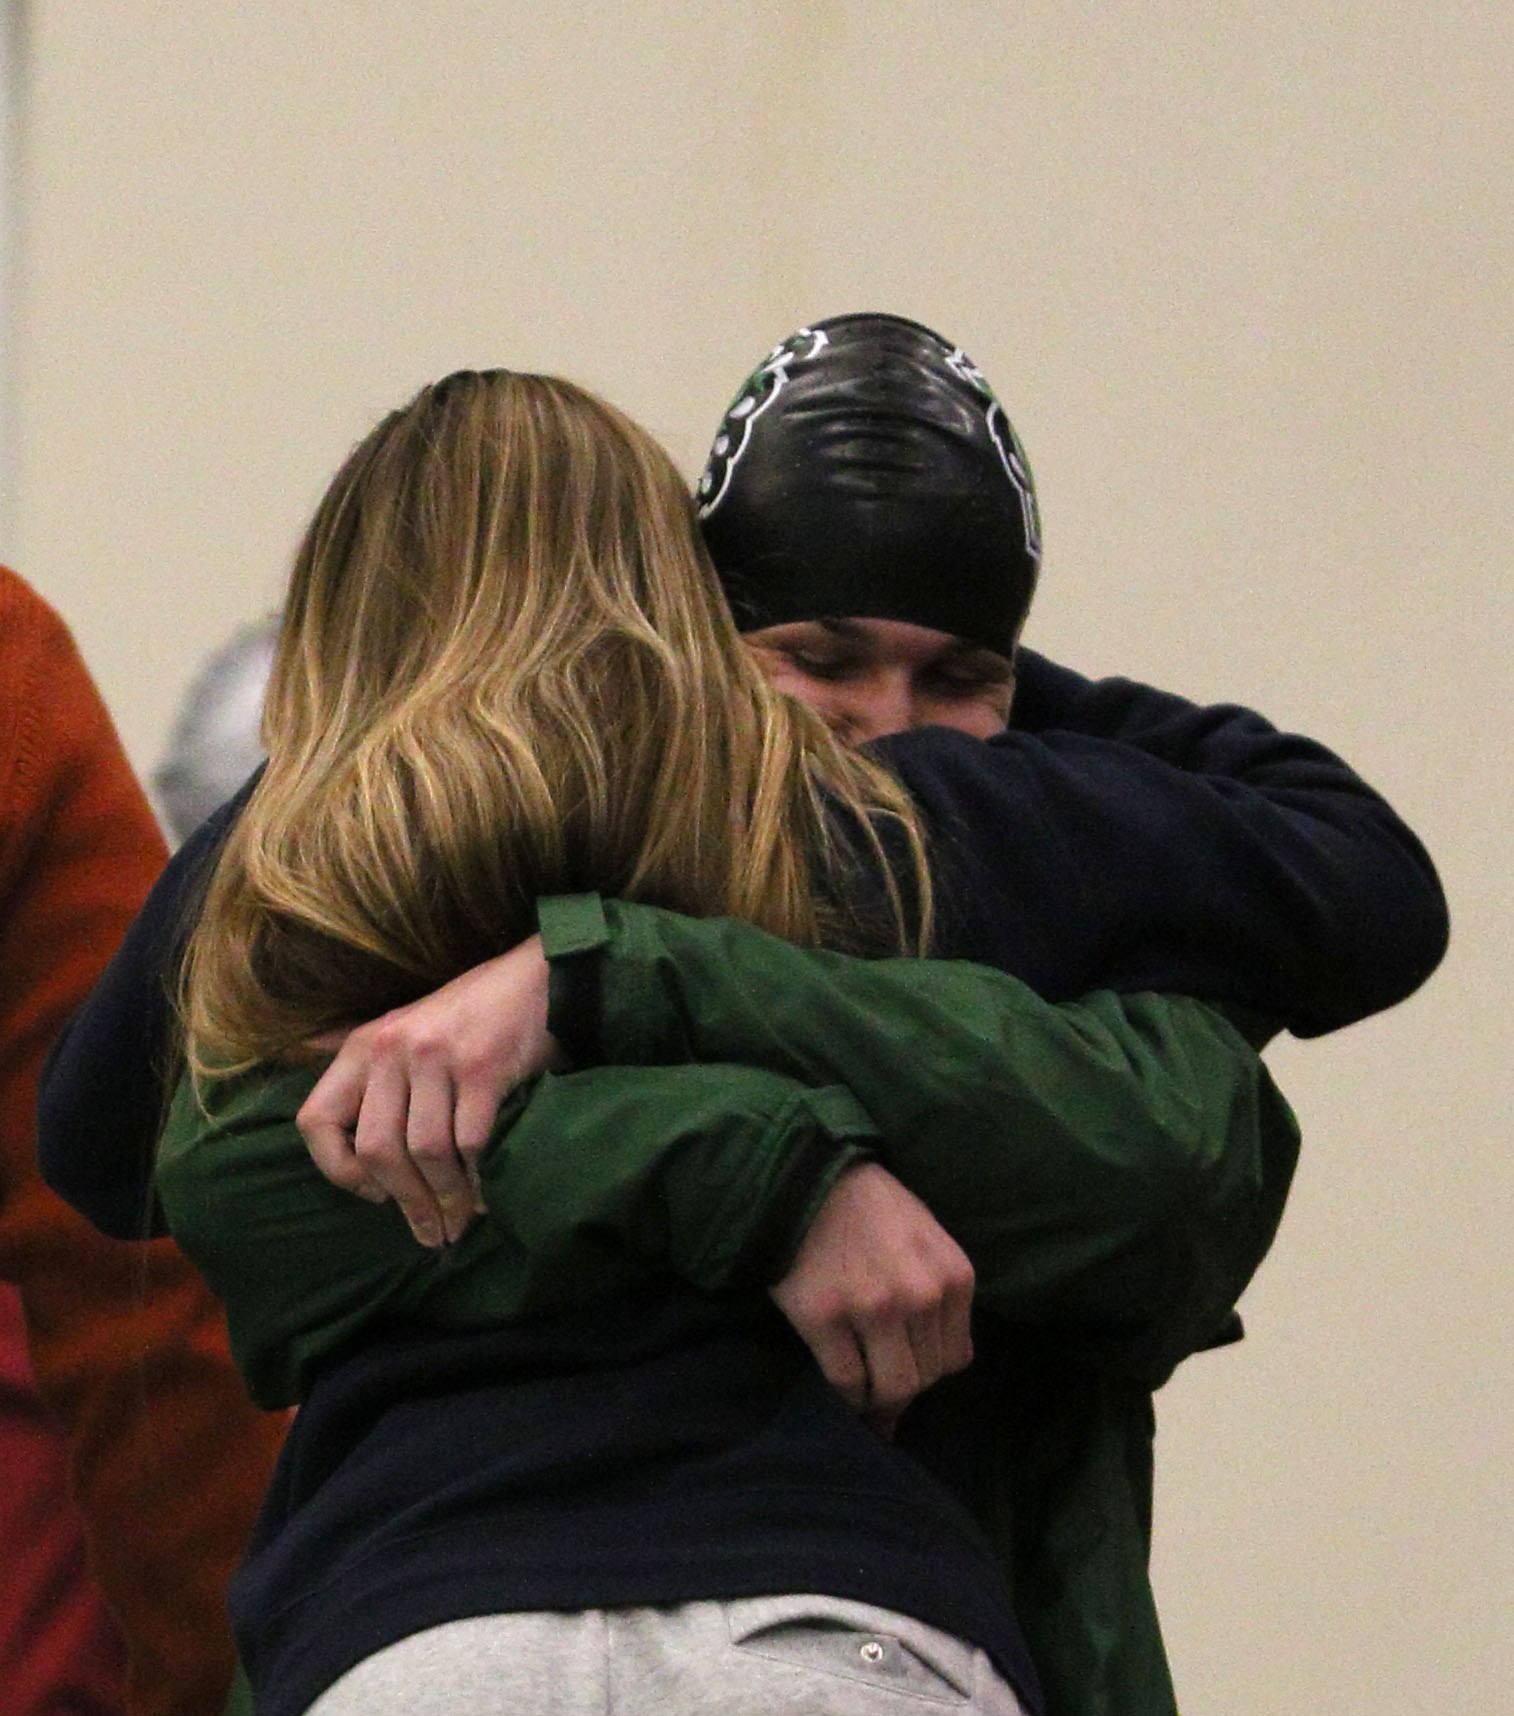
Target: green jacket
[(1115, 1168)]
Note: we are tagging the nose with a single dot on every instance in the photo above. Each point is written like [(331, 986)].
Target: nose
[(884, 703)]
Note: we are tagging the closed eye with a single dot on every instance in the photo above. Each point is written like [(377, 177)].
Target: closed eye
[(966, 681), (827, 667)]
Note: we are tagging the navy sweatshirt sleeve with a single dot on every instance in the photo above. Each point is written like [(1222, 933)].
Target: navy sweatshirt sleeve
[(1120, 837), (105, 1088)]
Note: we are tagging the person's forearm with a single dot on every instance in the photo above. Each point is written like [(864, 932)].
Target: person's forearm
[(594, 1183), (1120, 836), (1116, 1166), (1113, 1168)]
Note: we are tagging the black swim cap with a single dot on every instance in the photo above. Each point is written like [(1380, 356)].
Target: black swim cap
[(867, 470)]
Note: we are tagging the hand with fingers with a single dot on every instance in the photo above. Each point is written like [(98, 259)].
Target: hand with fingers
[(407, 1105), (881, 1294)]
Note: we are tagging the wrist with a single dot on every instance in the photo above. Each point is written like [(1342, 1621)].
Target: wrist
[(772, 1248), (843, 1138)]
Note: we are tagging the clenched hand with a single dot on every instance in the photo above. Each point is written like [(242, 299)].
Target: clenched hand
[(881, 1294)]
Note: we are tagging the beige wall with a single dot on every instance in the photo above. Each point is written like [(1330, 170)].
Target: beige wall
[(1243, 275)]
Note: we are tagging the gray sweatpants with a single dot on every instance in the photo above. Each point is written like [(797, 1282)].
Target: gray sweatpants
[(813, 1656)]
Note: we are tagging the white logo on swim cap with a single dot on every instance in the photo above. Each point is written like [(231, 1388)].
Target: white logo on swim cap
[(959, 363), (1018, 469), (1011, 453), (758, 392)]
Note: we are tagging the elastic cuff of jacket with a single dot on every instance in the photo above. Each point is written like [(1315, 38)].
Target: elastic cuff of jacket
[(612, 991), (574, 934), (843, 1139)]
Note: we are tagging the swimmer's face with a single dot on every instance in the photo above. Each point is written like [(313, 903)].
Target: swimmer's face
[(869, 678)]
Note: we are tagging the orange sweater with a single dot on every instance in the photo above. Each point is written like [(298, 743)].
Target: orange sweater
[(59, 1649), (169, 1460)]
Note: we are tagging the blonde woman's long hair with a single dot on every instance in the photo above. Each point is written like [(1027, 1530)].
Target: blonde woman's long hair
[(506, 670)]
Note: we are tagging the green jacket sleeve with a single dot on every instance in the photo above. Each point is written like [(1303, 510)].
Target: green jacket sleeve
[(594, 1182), (1115, 1167)]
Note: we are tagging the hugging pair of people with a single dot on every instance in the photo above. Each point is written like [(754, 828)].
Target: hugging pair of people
[(741, 1309)]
